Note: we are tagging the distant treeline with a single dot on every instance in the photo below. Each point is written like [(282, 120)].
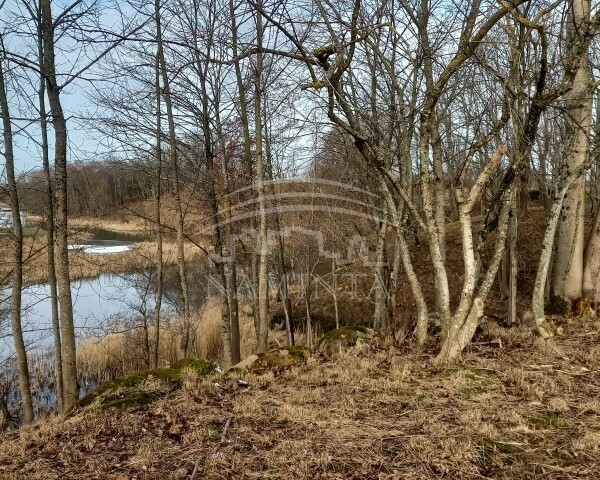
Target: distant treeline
[(94, 187)]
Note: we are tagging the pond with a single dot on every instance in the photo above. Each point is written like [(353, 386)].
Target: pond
[(100, 305), (104, 241), (97, 303)]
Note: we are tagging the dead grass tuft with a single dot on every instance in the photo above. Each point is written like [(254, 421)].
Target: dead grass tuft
[(189, 378), (589, 441), (124, 353)]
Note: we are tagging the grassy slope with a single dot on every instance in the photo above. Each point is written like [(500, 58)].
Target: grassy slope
[(528, 410)]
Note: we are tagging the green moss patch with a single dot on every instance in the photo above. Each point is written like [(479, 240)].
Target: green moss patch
[(346, 337), (548, 421), (465, 380), (282, 357), (275, 359), (143, 387)]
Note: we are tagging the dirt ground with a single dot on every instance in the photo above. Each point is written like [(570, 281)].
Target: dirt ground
[(526, 409)]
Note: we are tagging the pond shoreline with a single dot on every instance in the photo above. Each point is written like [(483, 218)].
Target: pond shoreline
[(90, 264)]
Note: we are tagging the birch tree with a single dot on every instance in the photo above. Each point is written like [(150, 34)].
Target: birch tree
[(568, 270)]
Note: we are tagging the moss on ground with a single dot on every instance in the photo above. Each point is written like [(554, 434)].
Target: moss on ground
[(467, 380), (283, 357), (143, 387), (275, 359), (346, 337), (548, 421)]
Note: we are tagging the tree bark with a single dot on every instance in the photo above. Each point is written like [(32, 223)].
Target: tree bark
[(17, 256), (50, 223), (568, 270), (380, 313), (232, 340), (591, 254), (185, 343), (263, 320), (539, 318), (513, 266), (68, 348), (157, 219), (591, 272)]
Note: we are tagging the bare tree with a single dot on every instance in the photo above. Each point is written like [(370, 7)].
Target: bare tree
[(53, 90), (568, 270), (157, 214), (262, 331), (578, 43), (184, 349), (17, 249)]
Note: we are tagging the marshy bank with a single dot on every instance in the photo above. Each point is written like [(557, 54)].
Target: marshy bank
[(113, 290), (88, 264), (115, 348)]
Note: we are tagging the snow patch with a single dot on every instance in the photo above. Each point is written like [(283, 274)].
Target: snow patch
[(101, 249)]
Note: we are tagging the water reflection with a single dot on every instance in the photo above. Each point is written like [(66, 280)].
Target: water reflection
[(98, 303)]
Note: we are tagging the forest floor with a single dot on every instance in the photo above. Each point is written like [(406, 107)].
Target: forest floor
[(527, 408)]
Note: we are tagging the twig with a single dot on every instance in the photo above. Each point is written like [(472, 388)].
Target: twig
[(216, 450), (495, 343), (275, 338), (226, 430)]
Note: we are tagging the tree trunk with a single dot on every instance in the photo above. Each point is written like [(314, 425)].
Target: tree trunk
[(539, 318), (393, 291), (247, 154), (503, 276), (422, 316), (591, 254), (591, 272), (17, 256), (335, 292), (568, 270), (185, 344), (467, 316), (380, 285), (513, 267), (309, 329), (68, 348), (225, 268), (439, 202), (464, 321), (435, 247), (543, 158), (282, 270), (50, 224), (230, 269), (263, 320), (157, 218)]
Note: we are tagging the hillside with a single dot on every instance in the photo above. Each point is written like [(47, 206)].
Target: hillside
[(529, 409)]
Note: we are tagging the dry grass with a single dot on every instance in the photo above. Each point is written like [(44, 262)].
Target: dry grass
[(521, 412), (85, 265), (124, 353), (137, 217), (122, 223)]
